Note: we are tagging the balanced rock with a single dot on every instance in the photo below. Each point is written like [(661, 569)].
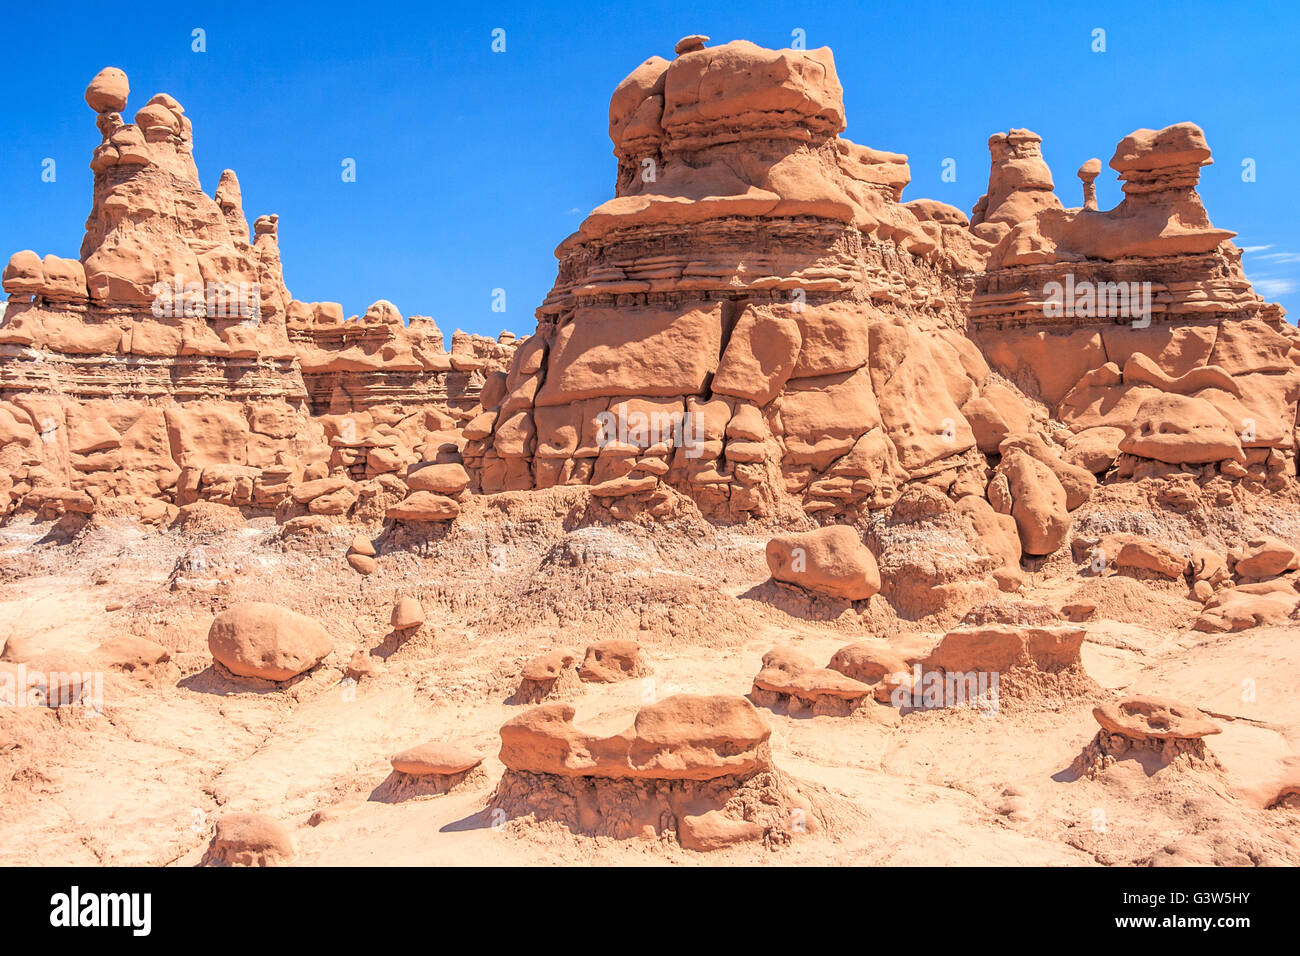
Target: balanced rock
[(701, 765), (546, 675), (1154, 718), (108, 91), (1149, 729), (685, 737)]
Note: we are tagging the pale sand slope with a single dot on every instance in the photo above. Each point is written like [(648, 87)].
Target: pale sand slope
[(178, 747)]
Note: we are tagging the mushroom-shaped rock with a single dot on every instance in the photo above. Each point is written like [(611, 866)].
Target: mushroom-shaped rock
[(424, 506), (684, 737), (1088, 174), (435, 758), (1154, 718), (831, 561), (613, 660), (108, 91), (547, 666), (699, 765), (361, 544), (407, 614), (879, 666), (363, 665), (789, 679), (545, 675), (249, 839), (267, 641)]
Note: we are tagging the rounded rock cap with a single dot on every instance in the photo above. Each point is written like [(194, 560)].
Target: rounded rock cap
[(108, 91), (690, 44), (435, 758), (1090, 170)]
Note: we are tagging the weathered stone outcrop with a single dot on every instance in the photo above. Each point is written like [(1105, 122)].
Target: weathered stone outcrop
[(169, 362)]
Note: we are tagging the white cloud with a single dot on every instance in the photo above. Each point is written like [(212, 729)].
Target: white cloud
[(1256, 248), (1272, 287), (1282, 257)]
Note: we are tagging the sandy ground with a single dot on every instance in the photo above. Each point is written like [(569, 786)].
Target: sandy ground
[(179, 745)]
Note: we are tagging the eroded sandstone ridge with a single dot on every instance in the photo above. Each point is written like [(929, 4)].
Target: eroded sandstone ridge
[(169, 363), (756, 322), (758, 279)]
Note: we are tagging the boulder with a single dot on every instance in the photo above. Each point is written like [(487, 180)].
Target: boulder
[(267, 641), (443, 479), (1038, 502), (435, 757), (407, 614), (1266, 557), (424, 506), (832, 561), (1154, 718), (612, 660)]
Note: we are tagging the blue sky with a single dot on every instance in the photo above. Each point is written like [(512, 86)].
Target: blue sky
[(472, 165)]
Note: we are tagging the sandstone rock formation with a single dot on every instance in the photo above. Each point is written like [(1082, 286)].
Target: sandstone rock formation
[(1146, 726), (614, 660), (407, 615), (697, 766), (249, 839), (831, 561), (1029, 659), (267, 641), (792, 683), (170, 363), (546, 676), (758, 321)]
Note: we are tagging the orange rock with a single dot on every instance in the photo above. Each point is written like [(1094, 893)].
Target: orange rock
[(1178, 429), (612, 660), (249, 839), (1266, 557), (443, 479), (435, 757), (831, 561), (424, 506), (1038, 502), (267, 641), (685, 737), (407, 614), (1154, 718)]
